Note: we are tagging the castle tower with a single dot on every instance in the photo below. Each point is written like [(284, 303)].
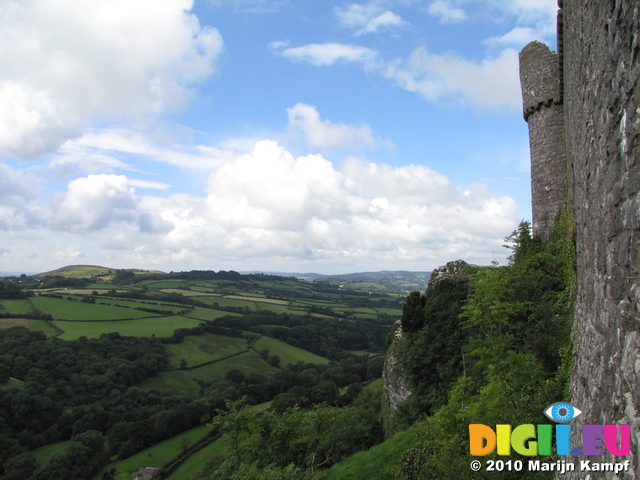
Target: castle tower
[(542, 103)]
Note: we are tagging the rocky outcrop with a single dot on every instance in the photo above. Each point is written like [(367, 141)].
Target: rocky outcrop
[(451, 269), (396, 384)]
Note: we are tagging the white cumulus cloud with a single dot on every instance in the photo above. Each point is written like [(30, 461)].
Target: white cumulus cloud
[(324, 54), (327, 135), (19, 192), (94, 203), (269, 208), (67, 63), (368, 18), (269, 204), (488, 84), (446, 12)]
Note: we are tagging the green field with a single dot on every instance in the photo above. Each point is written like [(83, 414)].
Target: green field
[(202, 313), (30, 323), (204, 348), (77, 310), (143, 327), (44, 453), (157, 455), (378, 462), (185, 381), (287, 353), (12, 383), (197, 462), (16, 307)]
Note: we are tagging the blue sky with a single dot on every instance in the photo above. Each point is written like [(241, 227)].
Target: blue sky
[(278, 135)]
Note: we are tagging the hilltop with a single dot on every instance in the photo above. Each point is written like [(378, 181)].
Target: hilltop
[(89, 271)]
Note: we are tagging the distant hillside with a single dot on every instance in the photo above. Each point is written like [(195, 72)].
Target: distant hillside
[(88, 271), (398, 281)]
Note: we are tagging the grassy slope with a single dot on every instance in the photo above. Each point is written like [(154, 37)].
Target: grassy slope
[(155, 456), (143, 327), (288, 353), (76, 310), (44, 453), (185, 381), (378, 462), (87, 271), (197, 462), (31, 324), (12, 383), (204, 348)]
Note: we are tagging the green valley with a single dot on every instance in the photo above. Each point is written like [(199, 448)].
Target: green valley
[(123, 369)]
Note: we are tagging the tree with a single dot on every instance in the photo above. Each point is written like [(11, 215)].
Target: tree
[(412, 313), (235, 376), (234, 422), (325, 392), (273, 360), (20, 467)]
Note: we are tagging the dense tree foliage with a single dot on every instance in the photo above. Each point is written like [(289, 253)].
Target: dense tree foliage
[(432, 353), (517, 342), (296, 443), (11, 290), (322, 336), (72, 387)]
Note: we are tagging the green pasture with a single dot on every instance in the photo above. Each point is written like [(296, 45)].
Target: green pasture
[(107, 287), (204, 348), (155, 456), (197, 462), (248, 362), (30, 323), (319, 303), (273, 308), (44, 453), (209, 289), (390, 311), (12, 383), (174, 381), (183, 291), (16, 307), (287, 353), (77, 310), (173, 307), (184, 381), (378, 462), (143, 327), (375, 386), (162, 284), (202, 313)]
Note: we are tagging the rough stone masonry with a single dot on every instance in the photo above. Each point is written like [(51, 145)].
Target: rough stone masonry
[(601, 103)]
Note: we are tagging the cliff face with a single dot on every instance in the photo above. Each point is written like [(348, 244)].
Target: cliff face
[(602, 123), (396, 383)]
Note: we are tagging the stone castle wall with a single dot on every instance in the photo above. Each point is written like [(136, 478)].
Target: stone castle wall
[(602, 124), (599, 44)]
